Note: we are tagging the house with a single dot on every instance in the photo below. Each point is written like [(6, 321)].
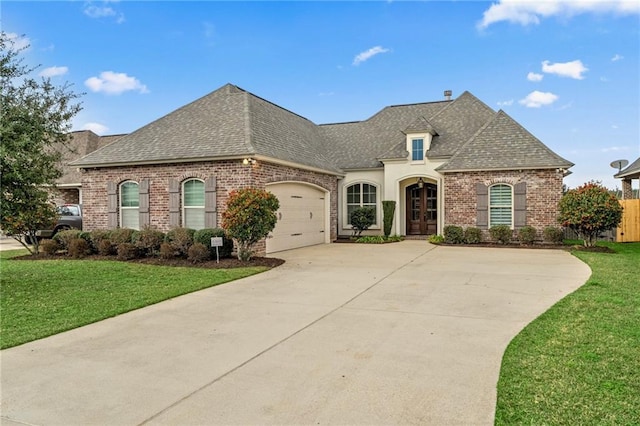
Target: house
[(632, 171), (449, 162)]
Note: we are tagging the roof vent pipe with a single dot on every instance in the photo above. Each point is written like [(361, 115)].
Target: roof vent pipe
[(447, 95)]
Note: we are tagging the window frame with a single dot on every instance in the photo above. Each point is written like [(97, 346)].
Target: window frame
[(503, 206), (414, 149), (184, 207), (122, 208), (361, 203)]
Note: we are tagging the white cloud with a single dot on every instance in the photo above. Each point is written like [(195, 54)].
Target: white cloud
[(527, 12), (505, 103), (615, 149), (573, 69), (536, 99), (19, 42), (53, 71), (368, 54), (97, 128), (104, 11), (532, 76), (113, 83), (616, 58)]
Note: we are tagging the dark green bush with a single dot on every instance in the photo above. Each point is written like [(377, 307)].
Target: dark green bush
[(64, 237), (49, 247), (105, 248), (127, 251), (198, 253), (148, 240), (181, 239), (453, 234), (553, 234), (472, 235), (361, 219), (501, 234), (527, 235), (167, 251), (203, 236), (121, 236), (388, 209), (79, 248), (98, 235)]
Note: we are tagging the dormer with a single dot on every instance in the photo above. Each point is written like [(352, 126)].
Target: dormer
[(419, 134)]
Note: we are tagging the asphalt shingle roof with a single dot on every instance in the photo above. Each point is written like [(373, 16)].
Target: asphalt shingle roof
[(503, 144), (632, 170), (231, 122)]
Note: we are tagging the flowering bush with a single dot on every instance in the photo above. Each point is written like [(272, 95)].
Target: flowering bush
[(250, 216), (588, 210)]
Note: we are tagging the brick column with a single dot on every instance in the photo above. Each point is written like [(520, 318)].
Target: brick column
[(627, 193)]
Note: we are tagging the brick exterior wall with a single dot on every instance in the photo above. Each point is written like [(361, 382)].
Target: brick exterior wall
[(229, 175), (544, 190), (66, 196)]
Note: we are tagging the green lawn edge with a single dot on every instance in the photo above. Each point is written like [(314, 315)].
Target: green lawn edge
[(579, 362), (46, 297)]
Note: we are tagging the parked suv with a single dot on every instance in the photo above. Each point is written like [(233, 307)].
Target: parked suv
[(69, 217)]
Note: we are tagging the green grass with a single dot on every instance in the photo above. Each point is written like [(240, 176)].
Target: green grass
[(45, 297), (579, 362)]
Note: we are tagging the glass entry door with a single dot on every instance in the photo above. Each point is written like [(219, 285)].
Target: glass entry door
[(422, 209)]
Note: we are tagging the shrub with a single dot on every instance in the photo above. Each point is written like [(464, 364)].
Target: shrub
[(501, 234), (98, 235), (361, 219), (148, 240), (473, 235), (589, 210), (64, 237), (121, 236), (198, 253), (105, 248), (167, 251), (453, 234), (388, 209), (204, 236), (127, 251), (435, 239), (249, 217), (371, 239), (49, 247), (553, 234), (78, 248), (180, 239), (527, 235)]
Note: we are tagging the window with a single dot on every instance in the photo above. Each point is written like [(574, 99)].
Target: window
[(500, 205), (129, 205), (193, 204), (361, 195), (417, 149)]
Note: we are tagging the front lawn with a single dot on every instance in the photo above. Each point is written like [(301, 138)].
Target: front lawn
[(44, 297), (579, 362)]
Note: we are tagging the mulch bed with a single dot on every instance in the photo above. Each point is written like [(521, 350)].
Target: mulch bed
[(225, 263), (595, 249)]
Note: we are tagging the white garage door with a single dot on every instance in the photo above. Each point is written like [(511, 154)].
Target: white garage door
[(301, 217)]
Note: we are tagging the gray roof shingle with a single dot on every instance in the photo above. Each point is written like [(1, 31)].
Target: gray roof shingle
[(231, 123), (632, 170)]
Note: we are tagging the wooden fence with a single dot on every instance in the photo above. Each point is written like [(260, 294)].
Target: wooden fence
[(629, 229)]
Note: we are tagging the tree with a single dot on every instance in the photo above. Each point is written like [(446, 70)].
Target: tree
[(250, 216), (388, 209), (35, 121), (361, 219), (589, 210)]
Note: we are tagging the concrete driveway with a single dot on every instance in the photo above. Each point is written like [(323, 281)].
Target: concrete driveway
[(405, 333)]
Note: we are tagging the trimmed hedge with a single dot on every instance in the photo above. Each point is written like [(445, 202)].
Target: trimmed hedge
[(203, 236)]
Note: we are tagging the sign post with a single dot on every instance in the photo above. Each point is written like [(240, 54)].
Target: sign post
[(216, 242)]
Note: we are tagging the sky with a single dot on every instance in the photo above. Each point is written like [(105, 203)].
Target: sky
[(567, 70)]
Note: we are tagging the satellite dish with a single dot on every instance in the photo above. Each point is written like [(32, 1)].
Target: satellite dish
[(619, 164)]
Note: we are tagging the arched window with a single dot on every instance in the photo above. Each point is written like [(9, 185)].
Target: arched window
[(500, 205), (193, 204), (129, 205), (361, 195)]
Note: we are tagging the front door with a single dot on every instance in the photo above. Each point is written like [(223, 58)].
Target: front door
[(422, 209)]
